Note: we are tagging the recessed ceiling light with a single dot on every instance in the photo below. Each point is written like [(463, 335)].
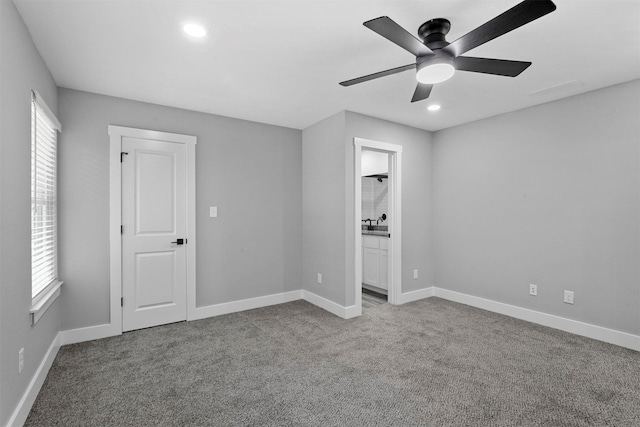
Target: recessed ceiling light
[(194, 30), (433, 107)]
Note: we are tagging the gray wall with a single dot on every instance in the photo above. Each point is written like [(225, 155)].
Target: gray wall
[(21, 70), (547, 195), (323, 208), (328, 203), (250, 171), (417, 235)]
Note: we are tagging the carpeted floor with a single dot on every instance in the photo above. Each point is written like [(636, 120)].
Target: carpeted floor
[(426, 363)]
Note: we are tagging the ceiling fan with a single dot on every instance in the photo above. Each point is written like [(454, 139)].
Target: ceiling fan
[(437, 60)]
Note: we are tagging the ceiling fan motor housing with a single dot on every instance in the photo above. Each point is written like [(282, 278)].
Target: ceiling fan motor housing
[(440, 57), (433, 33)]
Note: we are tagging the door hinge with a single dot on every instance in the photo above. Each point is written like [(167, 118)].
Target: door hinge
[(121, 302), (122, 154), (122, 229)]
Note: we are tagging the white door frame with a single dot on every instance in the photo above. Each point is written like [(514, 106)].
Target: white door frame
[(116, 133), (395, 210)]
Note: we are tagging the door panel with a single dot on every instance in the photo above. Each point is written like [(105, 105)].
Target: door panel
[(154, 279), (155, 192), (153, 217)]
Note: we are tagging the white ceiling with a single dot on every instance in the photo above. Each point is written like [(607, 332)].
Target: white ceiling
[(279, 62)]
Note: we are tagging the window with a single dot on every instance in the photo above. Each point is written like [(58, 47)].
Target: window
[(44, 220)]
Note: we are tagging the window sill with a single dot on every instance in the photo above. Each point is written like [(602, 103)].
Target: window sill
[(43, 301)]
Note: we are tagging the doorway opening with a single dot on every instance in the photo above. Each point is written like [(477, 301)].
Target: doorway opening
[(378, 212), (375, 227)]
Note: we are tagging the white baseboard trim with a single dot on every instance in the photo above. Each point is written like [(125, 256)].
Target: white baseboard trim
[(352, 311), (332, 307), (21, 412), (611, 336), (245, 304), (419, 294), (89, 333)]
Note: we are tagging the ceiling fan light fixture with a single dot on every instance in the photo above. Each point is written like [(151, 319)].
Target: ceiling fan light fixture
[(435, 70)]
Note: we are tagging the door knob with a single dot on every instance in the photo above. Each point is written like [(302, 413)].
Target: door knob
[(179, 242)]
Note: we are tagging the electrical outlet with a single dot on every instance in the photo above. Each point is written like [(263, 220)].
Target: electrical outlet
[(533, 289), (415, 273), (319, 278), (568, 297), (213, 211), (21, 360)]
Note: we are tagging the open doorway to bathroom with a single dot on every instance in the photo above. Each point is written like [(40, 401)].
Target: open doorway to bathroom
[(377, 184), (375, 227)]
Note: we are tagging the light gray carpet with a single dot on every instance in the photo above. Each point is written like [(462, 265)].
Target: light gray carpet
[(427, 363)]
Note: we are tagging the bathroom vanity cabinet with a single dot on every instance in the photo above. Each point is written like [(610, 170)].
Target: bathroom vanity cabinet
[(375, 263)]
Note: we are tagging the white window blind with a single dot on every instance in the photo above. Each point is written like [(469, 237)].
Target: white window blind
[(44, 219)]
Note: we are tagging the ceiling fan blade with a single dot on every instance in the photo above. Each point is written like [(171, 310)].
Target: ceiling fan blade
[(388, 29), (378, 75), (422, 92), (517, 16), (500, 67)]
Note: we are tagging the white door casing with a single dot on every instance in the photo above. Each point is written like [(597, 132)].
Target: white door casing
[(154, 218), (394, 258), (153, 197)]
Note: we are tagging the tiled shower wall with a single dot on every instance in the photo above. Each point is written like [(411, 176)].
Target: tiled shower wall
[(374, 199)]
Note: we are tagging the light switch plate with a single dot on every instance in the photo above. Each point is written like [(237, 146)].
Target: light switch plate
[(213, 211)]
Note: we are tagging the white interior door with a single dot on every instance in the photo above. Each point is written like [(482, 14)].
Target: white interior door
[(154, 208)]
